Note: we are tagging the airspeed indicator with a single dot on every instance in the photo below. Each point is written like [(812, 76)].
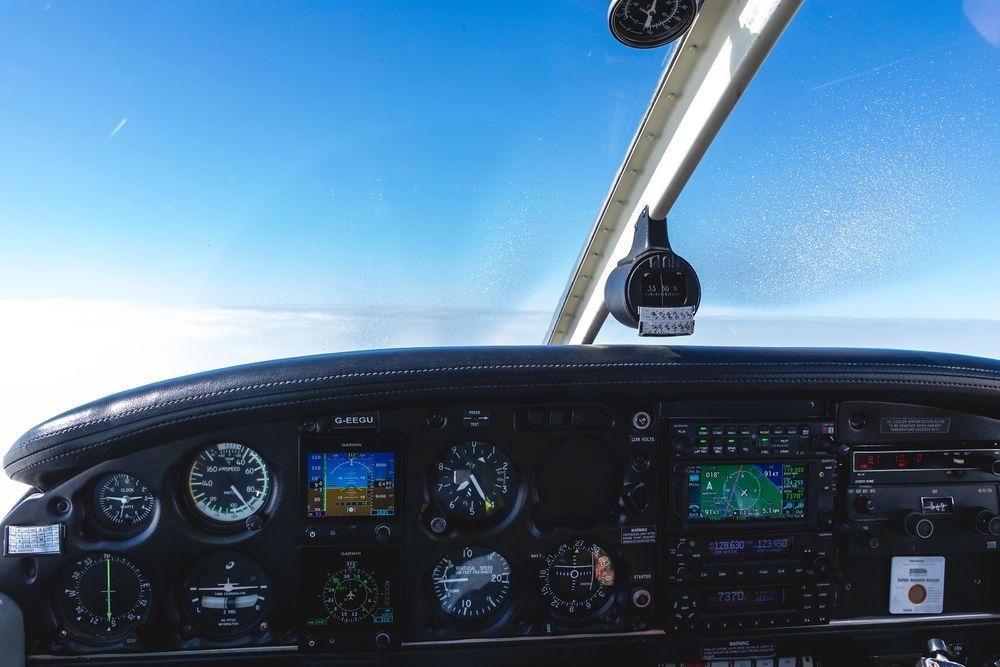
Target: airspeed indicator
[(228, 482)]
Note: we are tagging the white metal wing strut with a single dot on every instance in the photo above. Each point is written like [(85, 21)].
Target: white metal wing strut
[(704, 79)]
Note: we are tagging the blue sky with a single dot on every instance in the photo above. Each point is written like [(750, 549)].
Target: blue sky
[(444, 154), (303, 153)]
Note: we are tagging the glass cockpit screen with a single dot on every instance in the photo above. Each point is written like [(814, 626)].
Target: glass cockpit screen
[(351, 484), (743, 492)]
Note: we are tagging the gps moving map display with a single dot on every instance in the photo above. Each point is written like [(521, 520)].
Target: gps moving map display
[(351, 484), (742, 492)]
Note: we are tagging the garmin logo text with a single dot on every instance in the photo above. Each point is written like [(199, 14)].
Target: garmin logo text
[(355, 420)]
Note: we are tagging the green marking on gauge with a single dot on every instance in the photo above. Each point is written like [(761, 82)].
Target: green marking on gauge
[(108, 564)]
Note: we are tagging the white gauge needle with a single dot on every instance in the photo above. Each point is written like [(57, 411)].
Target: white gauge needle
[(649, 15), (479, 489), (238, 495), (451, 581), (124, 499)]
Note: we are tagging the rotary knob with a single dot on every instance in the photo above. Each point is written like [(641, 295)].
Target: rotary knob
[(987, 522), (917, 525), (865, 504), (684, 608)]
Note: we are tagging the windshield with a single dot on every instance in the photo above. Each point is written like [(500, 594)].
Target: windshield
[(186, 187), (851, 198)]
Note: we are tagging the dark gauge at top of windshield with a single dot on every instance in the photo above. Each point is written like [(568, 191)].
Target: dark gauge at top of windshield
[(645, 24), (104, 596), (226, 595), (471, 582), (578, 579), (474, 481), (122, 502), (228, 482)]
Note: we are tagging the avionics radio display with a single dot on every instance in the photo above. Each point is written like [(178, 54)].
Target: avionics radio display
[(746, 492), (721, 549), (351, 484), (756, 599)]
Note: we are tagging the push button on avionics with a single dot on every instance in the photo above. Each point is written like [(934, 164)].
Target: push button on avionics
[(641, 420)]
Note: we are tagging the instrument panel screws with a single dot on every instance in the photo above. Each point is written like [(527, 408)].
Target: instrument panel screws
[(438, 525), (63, 635), (436, 419), (187, 630), (263, 627), (254, 523), (309, 426), (858, 420), (60, 506)]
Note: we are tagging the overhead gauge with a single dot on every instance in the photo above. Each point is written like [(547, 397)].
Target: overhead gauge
[(350, 594), (228, 482), (578, 579), (122, 502), (645, 24), (104, 596), (473, 481), (471, 582), (227, 594)]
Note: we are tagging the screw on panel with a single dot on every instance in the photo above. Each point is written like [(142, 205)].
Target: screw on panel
[(436, 419), (61, 506)]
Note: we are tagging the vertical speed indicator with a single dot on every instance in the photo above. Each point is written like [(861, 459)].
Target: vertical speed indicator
[(228, 482)]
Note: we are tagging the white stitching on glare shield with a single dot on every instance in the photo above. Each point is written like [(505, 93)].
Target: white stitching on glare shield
[(648, 364), (497, 386)]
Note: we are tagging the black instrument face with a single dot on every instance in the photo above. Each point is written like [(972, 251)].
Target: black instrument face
[(646, 24), (474, 481), (104, 596), (226, 595), (350, 594), (228, 482), (471, 582), (578, 579), (123, 502)]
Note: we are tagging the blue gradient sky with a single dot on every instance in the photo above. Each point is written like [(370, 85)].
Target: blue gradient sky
[(445, 154)]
